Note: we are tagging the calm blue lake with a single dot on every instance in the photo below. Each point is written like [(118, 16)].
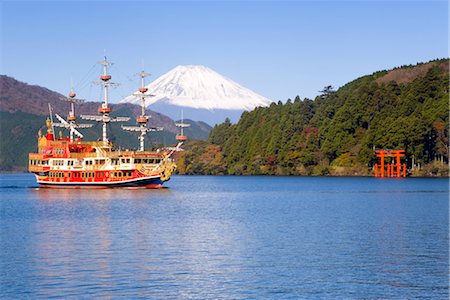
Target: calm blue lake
[(227, 238)]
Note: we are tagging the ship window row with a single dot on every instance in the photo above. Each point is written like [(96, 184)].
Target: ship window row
[(115, 161), (36, 162), (119, 174), (91, 162), (58, 151), (89, 174), (58, 162), (83, 175), (55, 162), (56, 174), (147, 160)]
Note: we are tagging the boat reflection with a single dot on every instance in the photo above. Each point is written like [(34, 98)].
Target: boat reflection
[(47, 194)]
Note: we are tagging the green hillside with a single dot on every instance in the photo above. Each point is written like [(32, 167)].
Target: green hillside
[(337, 132)]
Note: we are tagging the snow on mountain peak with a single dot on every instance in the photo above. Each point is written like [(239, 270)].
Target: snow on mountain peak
[(200, 87)]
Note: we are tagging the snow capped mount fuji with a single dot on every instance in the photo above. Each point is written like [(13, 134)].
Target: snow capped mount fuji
[(199, 87)]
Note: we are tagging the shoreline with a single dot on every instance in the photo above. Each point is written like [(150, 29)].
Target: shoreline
[(262, 175)]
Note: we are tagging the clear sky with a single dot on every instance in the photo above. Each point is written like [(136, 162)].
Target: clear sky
[(278, 49)]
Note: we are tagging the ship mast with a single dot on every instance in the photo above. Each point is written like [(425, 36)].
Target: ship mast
[(104, 110), (142, 119), (71, 118), (181, 137)]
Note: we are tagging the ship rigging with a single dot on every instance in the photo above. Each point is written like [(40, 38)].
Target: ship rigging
[(73, 162)]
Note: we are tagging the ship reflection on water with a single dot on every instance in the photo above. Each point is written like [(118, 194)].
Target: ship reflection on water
[(85, 235), (68, 194)]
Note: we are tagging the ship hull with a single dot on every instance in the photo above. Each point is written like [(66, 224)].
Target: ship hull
[(151, 183)]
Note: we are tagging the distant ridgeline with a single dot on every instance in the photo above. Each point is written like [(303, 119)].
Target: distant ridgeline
[(24, 109), (337, 132)]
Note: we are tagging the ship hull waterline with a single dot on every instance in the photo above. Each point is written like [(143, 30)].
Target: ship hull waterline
[(147, 182)]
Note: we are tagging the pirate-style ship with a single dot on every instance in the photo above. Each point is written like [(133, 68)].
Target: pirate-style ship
[(73, 162)]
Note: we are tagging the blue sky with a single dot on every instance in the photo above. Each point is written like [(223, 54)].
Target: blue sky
[(278, 49)]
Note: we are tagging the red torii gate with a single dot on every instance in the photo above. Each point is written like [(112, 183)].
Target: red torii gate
[(396, 169)]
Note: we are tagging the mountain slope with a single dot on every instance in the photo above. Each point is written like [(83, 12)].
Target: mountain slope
[(337, 131), (18, 96)]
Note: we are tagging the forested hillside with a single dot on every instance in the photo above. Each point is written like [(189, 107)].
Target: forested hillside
[(337, 132)]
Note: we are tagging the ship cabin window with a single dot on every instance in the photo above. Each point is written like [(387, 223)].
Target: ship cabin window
[(58, 162), (58, 151), (151, 161), (100, 161), (100, 174), (88, 162), (56, 174), (147, 161), (125, 160), (87, 175), (114, 161), (137, 160), (69, 174), (70, 162), (44, 162), (116, 174)]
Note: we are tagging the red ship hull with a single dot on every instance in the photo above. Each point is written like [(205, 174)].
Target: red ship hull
[(143, 182)]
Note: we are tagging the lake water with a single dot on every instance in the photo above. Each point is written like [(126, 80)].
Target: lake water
[(227, 238)]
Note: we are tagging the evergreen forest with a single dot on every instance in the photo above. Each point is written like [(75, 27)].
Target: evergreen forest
[(337, 132)]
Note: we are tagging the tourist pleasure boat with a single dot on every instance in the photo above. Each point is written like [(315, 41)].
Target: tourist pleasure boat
[(75, 163)]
